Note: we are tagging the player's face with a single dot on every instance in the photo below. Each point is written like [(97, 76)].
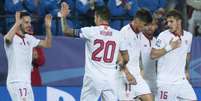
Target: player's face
[(141, 25), (150, 28), (173, 24), (26, 24)]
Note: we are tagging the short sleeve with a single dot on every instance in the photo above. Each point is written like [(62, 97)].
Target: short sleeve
[(160, 42), (34, 41), (85, 32), (123, 42)]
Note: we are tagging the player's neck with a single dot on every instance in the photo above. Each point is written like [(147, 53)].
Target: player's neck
[(179, 31), (134, 27), (20, 33), (105, 23)]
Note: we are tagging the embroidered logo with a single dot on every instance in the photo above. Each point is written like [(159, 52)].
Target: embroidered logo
[(158, 43)]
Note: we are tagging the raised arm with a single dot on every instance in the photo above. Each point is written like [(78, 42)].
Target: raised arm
[(157, 53), (16, 27), (47, 43), (65, 28)]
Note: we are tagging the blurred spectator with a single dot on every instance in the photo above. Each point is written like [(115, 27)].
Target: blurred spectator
[(44, 7), (85, 10), (11, 6), (195, 20), (120, 9), (38, 61), (152, 5), (2, 20), (160, 20)]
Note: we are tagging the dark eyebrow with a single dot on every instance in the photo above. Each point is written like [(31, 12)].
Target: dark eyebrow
[(26, 21)]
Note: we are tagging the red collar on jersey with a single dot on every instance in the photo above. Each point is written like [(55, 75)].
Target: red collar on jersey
[(176, 34), (104, 24), (148, 36), (179, 35), (21, 36), (134, 29)]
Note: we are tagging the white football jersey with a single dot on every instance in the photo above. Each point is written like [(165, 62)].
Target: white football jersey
[(19, 55), (149, 65), (101, 49), (171, 66), (133, 44)]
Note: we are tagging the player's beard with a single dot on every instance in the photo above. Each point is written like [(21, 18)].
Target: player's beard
[(22, 29), (26, 29)]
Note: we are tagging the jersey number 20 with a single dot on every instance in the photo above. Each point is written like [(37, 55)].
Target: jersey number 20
[(104, 46)]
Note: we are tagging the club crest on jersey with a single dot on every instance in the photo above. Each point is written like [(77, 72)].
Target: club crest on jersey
[(158, 43)]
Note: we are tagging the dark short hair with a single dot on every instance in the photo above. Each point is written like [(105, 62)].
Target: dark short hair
[(144, 15), (24, 13), (174, 13), (103, 12)]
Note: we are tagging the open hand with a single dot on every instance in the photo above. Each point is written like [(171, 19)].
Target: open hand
[(18, 20), (64, 9), (130, 78), (48, 20)]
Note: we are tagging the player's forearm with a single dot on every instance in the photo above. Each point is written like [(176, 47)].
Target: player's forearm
[(66, 29), (157, 53), (48, 38), (124, 58), (9, 36)]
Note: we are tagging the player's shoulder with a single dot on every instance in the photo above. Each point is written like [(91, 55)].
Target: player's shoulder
[(89, 28), (125, 28), (188, 34), (164, 34), (29, 36)]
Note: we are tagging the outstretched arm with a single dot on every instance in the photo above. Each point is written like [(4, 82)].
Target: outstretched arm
[(65, 28), (11, 33), (48, 39)]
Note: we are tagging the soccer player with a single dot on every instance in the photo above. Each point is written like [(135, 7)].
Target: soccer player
[(101, 51), (19, 46), (148, 65), (132, 33), (172, 49)]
